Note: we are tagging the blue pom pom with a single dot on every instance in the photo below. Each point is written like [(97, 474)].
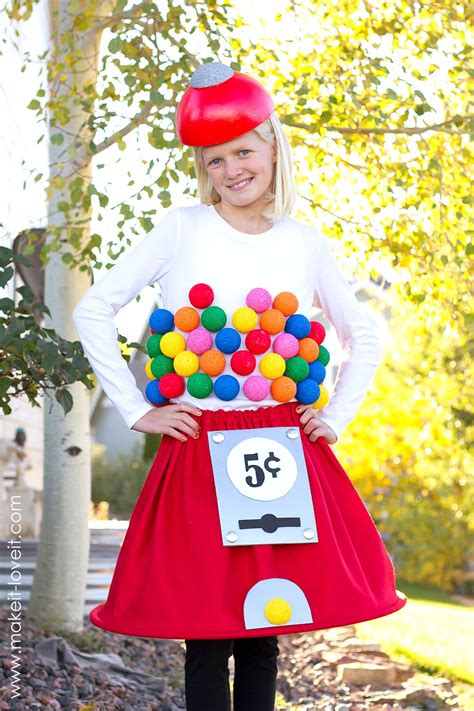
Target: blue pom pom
[(226, 387), (307, 391), (228, 340), (298, 325), (317, 371), (153, 394), (161, 321)]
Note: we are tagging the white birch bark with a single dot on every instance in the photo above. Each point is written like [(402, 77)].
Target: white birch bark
[(59, 586)]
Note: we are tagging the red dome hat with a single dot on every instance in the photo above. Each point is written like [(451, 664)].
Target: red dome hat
[(220, 105)]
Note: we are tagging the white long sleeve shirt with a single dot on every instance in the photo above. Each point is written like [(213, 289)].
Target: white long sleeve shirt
[(196, 245)]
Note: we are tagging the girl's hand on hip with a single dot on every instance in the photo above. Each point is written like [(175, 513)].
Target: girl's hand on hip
[(314, 426), (172, 420)]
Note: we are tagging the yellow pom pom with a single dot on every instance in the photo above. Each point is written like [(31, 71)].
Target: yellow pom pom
[(186, 363), (278, 611), (323, 398), (148, 370), (172, 343), (245, 319), (272, 365)]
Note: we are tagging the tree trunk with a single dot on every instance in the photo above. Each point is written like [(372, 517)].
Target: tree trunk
[(59, 586)]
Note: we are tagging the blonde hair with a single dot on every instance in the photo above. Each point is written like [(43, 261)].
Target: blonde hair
[(282, 192)]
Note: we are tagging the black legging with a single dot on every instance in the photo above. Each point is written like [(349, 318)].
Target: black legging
[(207, 674)]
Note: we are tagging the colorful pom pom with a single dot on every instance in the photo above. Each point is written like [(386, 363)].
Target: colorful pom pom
[(286, 345), (172, 343), (259, 300), (214, 318), (160, 365), (318, 332), (201, 296), (228, 340), (283, 389), (226, 387), (243, 362), (212, 362), (152, 391), (307, 391), (153, 345), (272, 321), (286, 302), (256, 387), (258, 341), (323, 356), (298, 325), (199, 341), (272, 366), (323, 398), (171, 385), (317, 371), (199, 385), (244, 319), (186, 319), (148, 369), (308, 349), (161, 321), (186, 363), (297, 369)]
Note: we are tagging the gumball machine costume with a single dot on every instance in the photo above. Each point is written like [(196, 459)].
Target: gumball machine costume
[(251, 529)]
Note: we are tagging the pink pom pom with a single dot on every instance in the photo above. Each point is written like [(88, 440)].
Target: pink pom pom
[(259, 300), (286, 345), (199, 341), (256, 387)]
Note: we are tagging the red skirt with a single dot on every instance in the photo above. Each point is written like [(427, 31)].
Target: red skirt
[(174, 578)]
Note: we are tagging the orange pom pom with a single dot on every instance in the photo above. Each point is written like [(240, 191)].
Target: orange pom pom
[(283, 389), (272, 321), (186, 319), (212, 362), (286, 302), (309, 349)]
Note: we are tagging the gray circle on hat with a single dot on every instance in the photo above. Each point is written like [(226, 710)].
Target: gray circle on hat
[(211, 74)]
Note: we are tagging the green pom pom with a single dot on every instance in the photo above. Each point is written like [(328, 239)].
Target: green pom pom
[(297, 369), (199, 385), (153, 345), (213, 318), (160, 365), (323, 356)]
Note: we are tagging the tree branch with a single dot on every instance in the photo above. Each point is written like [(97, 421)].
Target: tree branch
[(137, 120), (407, 130)]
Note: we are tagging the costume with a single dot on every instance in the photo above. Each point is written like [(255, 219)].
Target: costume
[(176, 575), (250, 530)]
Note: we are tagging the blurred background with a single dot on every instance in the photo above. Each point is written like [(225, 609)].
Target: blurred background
[(374, 97)]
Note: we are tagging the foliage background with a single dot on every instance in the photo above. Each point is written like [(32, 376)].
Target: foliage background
[(375, 99)]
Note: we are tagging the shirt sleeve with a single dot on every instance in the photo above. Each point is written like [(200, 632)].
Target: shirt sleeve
[(93, 315), (357, 334)]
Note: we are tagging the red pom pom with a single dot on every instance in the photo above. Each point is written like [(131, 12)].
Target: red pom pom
[(318, 332), (243, 362), (201, 296), (258, 341), (171, 385)]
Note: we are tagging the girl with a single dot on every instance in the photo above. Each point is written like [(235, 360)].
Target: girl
[(247, 526)]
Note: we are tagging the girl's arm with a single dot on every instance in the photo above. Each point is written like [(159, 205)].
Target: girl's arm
[(356, 333), (93, 315)]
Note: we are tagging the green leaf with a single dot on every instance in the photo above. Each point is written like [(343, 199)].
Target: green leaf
[(64, 397), (115, 45)]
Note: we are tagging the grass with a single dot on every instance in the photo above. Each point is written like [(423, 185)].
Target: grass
[(433, 632)]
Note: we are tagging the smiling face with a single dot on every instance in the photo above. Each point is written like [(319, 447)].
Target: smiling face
[(241, 170)]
